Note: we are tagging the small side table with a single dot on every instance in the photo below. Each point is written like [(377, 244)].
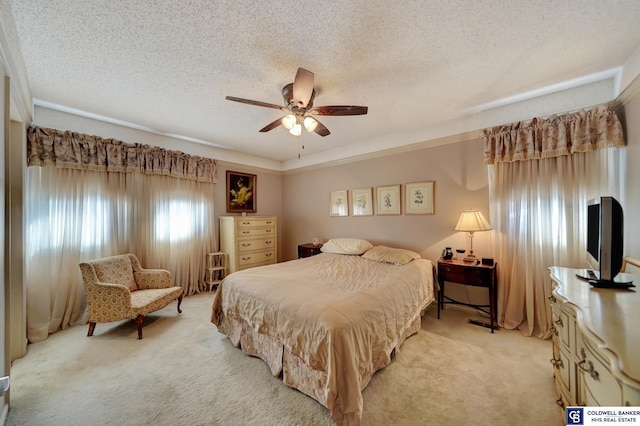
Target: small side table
[(308, 250), (466, 273)]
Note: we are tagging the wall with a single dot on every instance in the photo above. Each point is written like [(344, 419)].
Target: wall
[(460, 183), (632, 195)]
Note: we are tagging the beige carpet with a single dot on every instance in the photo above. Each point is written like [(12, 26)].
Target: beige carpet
[(185, 373)]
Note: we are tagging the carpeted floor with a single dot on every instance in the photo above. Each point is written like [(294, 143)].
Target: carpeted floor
[(185, 373)]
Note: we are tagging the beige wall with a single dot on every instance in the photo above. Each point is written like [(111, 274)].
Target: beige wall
[(269, 196), (460, 183), (632, 175)]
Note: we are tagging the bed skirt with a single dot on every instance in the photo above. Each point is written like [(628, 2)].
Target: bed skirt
[(295, 372)]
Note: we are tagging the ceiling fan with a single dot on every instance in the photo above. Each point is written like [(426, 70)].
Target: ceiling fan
[(298, 98)]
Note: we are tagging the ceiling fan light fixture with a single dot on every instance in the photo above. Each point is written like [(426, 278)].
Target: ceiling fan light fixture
[(289, 121), (310, 124), (298, 98), (296, 130)]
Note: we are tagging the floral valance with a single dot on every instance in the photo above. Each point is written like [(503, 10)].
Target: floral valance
[(557, 135), (65, 149)]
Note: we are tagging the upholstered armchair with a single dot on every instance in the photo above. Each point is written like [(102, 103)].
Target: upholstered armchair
[(118, 288)]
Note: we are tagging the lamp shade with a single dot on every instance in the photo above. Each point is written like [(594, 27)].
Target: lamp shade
[(310, 124), (472, 221), (296, 130), (288, 121)]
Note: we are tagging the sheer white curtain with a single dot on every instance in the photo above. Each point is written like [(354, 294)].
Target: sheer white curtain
[(75, 215), (541, 175)]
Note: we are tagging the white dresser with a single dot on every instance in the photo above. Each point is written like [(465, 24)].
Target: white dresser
[(596, 342), (249, 241)]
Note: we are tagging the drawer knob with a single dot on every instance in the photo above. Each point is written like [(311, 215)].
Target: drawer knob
[(590, 369), (559, 322), (557, 363), (552, 298)]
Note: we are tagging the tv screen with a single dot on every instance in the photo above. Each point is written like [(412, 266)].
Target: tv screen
[(604, 238), (593, 233)]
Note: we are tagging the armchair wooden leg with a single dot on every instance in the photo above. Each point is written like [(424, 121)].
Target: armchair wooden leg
[(179, 302), (92, 326), (139, 321)]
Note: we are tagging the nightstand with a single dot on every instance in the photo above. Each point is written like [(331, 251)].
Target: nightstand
[(466, 273), (307, 250)]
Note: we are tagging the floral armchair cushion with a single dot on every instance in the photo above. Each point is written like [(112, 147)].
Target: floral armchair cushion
[(116, 270)]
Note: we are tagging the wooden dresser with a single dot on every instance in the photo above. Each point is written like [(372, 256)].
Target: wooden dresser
[(249, 241), (596, 342)]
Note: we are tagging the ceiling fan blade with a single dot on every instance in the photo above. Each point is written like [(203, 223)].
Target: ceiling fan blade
[(302, 87), (321, 129), (339, 110), (256, 103), (272, 125)]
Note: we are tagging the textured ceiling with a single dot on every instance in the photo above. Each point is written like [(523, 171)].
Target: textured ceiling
[(167, 65)]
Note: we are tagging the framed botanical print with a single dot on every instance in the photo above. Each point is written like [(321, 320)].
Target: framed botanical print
[(241, 192), (418, 197), (362, 202), (339, 203), (388, 200)]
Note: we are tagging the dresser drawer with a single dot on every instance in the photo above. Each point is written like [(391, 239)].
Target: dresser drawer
[(254, 232), (602, 387), (245, 246), (631, 396), (451, 274), (563, 368), (466, 275), (250, 259), (561, 325), (478, 276), (255, 223)]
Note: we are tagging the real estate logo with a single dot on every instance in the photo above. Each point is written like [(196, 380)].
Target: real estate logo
[(575, 416)]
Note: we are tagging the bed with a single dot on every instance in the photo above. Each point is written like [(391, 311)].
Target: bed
[(328, 322)]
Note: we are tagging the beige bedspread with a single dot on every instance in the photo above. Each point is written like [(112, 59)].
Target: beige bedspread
[(340, 314)]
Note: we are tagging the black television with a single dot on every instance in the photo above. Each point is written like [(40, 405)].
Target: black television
[(605, 236)]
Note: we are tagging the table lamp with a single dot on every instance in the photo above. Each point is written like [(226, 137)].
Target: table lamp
[(472, 221)]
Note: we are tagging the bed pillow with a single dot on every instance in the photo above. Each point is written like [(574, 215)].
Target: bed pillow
[(346, 246), (395, 256)]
